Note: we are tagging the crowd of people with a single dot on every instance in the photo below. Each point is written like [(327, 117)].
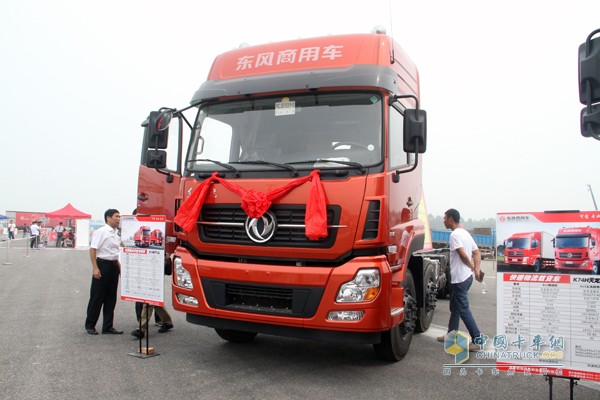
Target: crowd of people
[(40, 235)]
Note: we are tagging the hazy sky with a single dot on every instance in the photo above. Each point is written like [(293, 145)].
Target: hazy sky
[(498, 80)]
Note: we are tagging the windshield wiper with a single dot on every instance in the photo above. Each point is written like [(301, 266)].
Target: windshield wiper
[(219, 163), (326, 160), (273, 164)]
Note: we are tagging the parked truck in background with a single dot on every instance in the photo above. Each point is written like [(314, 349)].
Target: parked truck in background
[(530, 249), (141, 237), (578, 250), (296, 205), (485, 243)]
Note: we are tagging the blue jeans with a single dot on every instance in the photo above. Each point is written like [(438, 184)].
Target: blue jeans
[(459, 308)]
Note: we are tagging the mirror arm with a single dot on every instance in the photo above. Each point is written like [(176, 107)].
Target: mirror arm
[(403, 96), (167, 173), (397, 173)]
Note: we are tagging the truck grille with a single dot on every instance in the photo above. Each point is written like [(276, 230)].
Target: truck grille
[(570, 255), (263, 299), (225, 224), (515, 253)]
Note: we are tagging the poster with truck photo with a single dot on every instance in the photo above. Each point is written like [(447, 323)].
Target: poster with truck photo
[(142, 258), (548, 315), (549, 241)]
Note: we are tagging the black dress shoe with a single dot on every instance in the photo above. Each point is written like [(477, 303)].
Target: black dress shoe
[(91, 331), (138, 333), (165, 327), (112, 331)]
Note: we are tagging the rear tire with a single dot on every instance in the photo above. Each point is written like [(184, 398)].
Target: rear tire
[(236, 336), (425, 314), (395, 342), (443, 292)]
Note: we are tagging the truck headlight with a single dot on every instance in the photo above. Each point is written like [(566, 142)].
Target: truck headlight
[(184, 279), (364, 287)]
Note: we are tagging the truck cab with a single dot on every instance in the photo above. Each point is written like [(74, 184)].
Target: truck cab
[(577, 250), (141, 237), (530, 249), (296, 209)]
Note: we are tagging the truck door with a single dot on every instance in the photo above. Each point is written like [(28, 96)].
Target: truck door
[(160, 171)]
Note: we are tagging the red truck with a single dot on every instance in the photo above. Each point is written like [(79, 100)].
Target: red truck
[(156, 237), (141, 237), (533, 249), (295, 210), (578, 249)]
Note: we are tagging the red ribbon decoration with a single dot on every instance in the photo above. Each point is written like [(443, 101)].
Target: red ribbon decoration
[(256, 203)]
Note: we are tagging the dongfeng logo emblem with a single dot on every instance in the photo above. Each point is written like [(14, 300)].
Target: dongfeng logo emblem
[(569, 255), (261, 230)]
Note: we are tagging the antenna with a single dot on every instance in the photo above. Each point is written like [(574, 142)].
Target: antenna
[(391, 31), (391, 22), (593, 198)]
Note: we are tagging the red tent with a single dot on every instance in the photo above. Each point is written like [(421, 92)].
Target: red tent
[(68, 211)]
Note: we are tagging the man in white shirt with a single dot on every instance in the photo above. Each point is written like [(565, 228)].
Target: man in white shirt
[(465, 261), (59, 233), (12, 228), (104, 254), (35, 234)]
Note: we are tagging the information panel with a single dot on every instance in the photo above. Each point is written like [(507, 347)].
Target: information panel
[(550, 324), (143, 258)]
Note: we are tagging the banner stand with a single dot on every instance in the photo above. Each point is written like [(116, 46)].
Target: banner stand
[(145, 352), (572, 383)]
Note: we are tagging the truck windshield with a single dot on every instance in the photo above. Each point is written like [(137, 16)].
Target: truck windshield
[(575, 242), (276, 131), (518, 243)]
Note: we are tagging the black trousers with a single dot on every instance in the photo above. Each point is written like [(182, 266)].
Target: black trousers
[(103, 295), (59, 236)]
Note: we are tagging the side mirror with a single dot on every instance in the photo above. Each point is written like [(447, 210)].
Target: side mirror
[(156, 159), (590, 121), (158, 129), (415, 130), (589, 69), (589, 85)]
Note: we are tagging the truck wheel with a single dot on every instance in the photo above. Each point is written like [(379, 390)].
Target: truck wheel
[(395, 343), (443, 292), (425, 314), (235, 336), (595, 267), (537, 267)]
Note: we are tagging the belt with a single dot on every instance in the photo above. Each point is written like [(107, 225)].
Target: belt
[(105, 260)]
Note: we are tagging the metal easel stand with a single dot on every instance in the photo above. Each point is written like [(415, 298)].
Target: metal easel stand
[(572, 383), (7, 262), (148, 351)]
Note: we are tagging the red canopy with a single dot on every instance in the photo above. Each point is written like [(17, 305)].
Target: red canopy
[(68, 211)]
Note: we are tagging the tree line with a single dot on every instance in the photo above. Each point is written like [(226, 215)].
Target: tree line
[(437, 222)]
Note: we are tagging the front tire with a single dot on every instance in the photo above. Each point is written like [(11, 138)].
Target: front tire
[(395, 342), (595, 267), (537, 266), (235, 336)]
